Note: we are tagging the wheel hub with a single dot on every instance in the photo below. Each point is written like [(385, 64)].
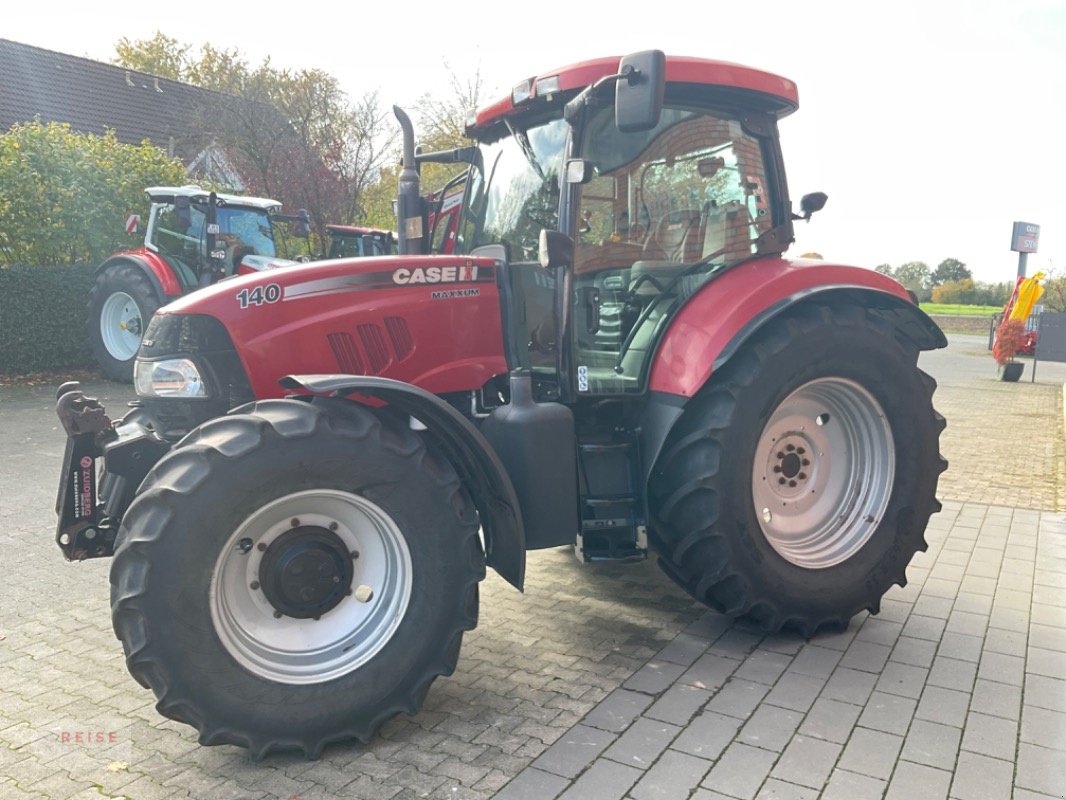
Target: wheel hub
[(790, 465), (306, 572)]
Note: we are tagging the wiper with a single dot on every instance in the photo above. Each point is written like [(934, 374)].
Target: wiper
[(527, 149)]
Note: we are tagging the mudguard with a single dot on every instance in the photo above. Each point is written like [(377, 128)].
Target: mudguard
[(462, 444), (159, 274), (713, 325)]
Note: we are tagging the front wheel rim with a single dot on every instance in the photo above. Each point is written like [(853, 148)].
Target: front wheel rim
[(823, 473), (121, 326), (256, 629)]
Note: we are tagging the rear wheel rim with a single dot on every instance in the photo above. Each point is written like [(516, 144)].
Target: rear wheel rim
[(823, 473), (121, 326), (251, 621)]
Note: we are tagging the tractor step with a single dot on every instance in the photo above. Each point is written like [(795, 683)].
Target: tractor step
[(612, 516)]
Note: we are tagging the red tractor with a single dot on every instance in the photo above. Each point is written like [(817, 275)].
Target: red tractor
[(194, 238), (617, 357)]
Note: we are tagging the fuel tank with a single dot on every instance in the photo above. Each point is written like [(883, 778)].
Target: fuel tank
[(433, 321)]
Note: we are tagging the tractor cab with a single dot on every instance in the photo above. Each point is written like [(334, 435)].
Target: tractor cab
[(351, 241), (205, 236)]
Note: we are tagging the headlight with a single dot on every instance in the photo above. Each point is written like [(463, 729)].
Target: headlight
[(172, 377)]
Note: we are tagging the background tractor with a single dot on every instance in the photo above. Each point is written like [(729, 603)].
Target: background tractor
[(193, 239), (615, 357)]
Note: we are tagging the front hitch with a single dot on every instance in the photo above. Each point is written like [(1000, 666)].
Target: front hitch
[(89, 515), (79, 534)]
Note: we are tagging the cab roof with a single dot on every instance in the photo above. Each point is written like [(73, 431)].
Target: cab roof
[(166, 194), (781, 92)]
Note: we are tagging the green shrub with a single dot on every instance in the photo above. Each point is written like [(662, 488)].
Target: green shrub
[(42, 318)]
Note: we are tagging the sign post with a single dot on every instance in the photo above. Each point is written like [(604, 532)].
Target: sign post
[(1024, 240)]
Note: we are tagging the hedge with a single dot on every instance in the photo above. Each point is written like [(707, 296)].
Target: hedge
[(43, 318)]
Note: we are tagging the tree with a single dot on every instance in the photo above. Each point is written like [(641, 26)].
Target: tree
[(66, 195), (949, 270), (885, 269), (294, 134)]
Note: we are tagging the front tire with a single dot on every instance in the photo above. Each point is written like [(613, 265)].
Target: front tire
[(121, 303), (296, 574), (798, 483)]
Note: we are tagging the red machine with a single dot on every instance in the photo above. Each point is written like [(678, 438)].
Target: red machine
[(616, 356)]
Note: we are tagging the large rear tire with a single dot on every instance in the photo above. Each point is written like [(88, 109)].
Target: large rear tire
[(295, 574), (798, 483), (121, 303)]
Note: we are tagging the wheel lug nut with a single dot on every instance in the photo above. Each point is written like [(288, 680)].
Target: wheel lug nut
[(254, 585), (803, 476), (355, 554), (260, 547), (294, 522), (333, 526), (277, 615)]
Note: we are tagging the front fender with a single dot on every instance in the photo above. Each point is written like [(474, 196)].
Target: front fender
[(471, 455), (713, 324)]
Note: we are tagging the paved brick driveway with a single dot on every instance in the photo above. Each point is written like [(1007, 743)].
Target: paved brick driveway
[(608, 682)]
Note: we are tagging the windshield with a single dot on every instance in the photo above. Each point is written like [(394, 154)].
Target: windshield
[(179, 231), (666, 208), (514, 193)]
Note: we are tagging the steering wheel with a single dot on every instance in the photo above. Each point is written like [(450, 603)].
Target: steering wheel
[(646, 311)]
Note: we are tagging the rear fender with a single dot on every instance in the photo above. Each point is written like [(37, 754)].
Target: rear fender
[(164, 282), (725, 313), (463, 445)]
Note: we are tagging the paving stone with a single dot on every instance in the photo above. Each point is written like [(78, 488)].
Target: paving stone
[(997, 699), (618, 710), (1047, 637), (574, 751), (678, 704), (979, 777), (849, 686), (795, 691), (775, 789), (866, 656), (816, 661), (888, 712), (1041, 770), (642, 743), (844, 785), (918, 782), (707, 735), (654, 677), (1043, 727), (673, 777), (740, 771), (763, 666), (807, 761), (953, 673), (945, 706), (533, 784), (960, 646), (831, 720), (871, 753), (1050, 663), (770, 727), (902, 679), (1045, 692), (990, 736), (684, 649), (1002, 669), (604, 780), (879, 631), (932, 744), (710, 671), (738, 698), (914, 652)]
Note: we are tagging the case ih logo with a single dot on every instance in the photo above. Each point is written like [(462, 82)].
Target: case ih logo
[(464, 274)]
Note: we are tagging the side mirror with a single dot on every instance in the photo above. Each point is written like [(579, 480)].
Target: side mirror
[(809, 203), (556, 249), (303, 226), (638, 94)]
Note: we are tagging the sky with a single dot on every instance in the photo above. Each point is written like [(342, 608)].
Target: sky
[(932, 125)]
